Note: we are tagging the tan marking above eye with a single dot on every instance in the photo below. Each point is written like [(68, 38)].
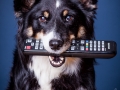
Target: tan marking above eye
[(72, 36), (65, 12), (46, 14)]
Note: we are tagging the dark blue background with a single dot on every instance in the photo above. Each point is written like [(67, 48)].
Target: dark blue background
[(107, 27)]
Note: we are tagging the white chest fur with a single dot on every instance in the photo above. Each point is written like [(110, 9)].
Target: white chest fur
[(44, 72)]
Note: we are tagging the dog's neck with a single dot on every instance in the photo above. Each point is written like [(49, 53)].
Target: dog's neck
[(45, 72)]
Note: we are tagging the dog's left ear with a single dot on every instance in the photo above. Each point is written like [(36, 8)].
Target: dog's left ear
[(22, 6), (89, 4)]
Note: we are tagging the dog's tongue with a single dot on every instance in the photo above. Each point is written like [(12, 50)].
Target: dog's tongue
[(56, 61)]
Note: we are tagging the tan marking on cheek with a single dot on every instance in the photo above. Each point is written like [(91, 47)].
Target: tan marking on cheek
[(46, 14), (65, 12), (70, 61), (81, 31), (29, 31), (39, 35), (72, 36)]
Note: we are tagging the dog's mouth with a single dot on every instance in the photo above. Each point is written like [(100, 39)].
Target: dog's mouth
[(56, 61)]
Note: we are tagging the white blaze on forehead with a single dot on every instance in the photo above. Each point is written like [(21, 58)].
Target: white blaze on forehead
[(58, 3)]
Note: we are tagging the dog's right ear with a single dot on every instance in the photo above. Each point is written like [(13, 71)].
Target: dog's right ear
[(22, 6)]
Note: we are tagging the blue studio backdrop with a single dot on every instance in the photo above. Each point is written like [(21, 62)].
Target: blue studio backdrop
[(107, 27)]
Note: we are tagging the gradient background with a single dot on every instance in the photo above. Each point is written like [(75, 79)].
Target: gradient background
[(107, 27)]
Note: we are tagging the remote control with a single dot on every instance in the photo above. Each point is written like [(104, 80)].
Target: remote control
[(78, 48)]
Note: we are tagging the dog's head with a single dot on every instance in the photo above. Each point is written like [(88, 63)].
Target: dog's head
[(56, 22)]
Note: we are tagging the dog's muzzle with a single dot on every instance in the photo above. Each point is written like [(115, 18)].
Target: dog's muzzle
[(56, 61)]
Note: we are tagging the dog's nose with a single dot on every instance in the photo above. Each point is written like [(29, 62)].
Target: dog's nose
[(55, 44)]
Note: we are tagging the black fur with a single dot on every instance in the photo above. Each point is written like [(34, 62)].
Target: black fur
[(27, 13)]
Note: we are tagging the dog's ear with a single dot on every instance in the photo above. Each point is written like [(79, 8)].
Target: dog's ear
[(22, 6), (89, 4)]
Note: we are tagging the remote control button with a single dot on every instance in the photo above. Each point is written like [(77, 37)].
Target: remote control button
[(41, 41), (103, 49), (36, 47), (28, 47), (86, 41), (99, 42), (95, 49), (77, 44), (72, 47), (82, 48), (86, 49), (103, 45), (99, 45), (37, 43), (77, 48), (108, 45), (95, 45), (90, 49), (77, 41), (73, 44), (37, 40), (41, 46), (82, 41), (98, 48), (32, 44), (29, 40), (86, 44), (73, 41), (95, 42), (91, 45), (103, 42), (90, 41), (26, 41)]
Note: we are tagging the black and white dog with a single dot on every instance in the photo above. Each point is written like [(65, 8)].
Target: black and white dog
[(56, 22)]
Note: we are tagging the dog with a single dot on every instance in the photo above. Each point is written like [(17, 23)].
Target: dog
[(56, 23)]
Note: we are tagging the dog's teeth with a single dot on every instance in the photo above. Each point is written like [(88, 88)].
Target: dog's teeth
[(62, 58), (57, 62), (60, 61), (53, 62)]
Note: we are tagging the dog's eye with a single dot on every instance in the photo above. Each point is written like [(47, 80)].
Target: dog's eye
[(42, 19), (69, 18)]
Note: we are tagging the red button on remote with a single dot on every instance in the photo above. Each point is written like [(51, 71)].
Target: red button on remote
[(28, 47)]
